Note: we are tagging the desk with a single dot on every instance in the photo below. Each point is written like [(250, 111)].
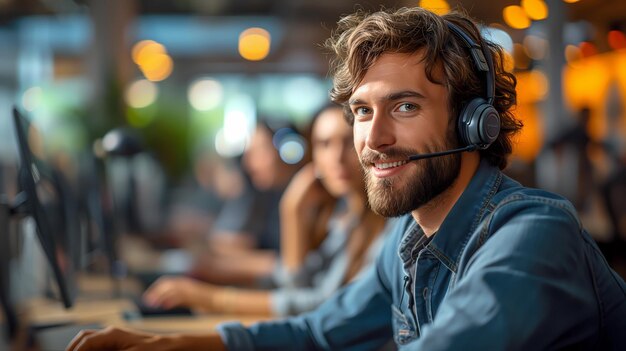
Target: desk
[(93, 309), (42, 311), (109, 312)]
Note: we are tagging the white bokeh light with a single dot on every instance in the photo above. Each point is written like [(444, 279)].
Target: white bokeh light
[(499, 37), (239, 123), (205, 94), (31, 98), (141, 93)]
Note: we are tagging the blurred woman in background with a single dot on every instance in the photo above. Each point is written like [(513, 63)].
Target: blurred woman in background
[(331, 191)]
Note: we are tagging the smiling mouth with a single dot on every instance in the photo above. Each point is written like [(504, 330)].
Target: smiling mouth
[(387, 165)]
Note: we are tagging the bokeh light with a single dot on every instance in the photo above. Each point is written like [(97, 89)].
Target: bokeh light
[(535, 47), (588, 49), (572, 54), (144, 49), (515, 17), (440, 7), (158, 67), (239, 124), (535, 9), (153, 60), (617, 40), (292, 149), (32, 97), (141, 93), (205, 94), (499, 36), (532, 86), (254, 44)]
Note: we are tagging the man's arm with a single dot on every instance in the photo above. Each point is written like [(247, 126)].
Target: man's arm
[(357, 317)]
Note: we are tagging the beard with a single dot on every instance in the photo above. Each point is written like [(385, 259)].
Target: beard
[(396, 196)]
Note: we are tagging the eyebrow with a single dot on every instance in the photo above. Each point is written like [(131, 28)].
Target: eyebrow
[(392, 97)]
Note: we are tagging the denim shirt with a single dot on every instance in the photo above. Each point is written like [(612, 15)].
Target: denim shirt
[(510, 268)]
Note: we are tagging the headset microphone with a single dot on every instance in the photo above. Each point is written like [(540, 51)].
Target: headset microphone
[(442, 153)]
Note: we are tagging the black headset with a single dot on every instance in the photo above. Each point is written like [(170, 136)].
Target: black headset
[(479, 122)]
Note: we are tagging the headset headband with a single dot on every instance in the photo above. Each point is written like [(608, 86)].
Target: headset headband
[(480, 56)]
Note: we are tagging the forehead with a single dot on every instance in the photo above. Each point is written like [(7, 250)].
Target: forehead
[(330, 122), (393, 72)]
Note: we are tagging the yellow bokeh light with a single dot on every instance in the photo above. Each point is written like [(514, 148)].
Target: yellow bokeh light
[(585, 84), (154, 62), (515, 17), (529, 141), (254, 44), (440, 7), (531, 86), (571, 1), (145, 49), (535, 9), (158, 68)]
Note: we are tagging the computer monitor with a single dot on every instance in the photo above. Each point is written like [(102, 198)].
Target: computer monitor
[(35, 188), (8, 317), (97, 206)]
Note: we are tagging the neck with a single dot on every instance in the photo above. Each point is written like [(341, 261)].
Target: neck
[(432, 214), (356, 203)]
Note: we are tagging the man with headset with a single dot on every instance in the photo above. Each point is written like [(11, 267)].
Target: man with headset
[(478, 262)]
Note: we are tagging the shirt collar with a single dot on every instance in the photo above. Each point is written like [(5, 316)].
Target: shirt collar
[(464, 217)]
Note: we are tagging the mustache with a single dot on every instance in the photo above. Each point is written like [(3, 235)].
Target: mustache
[(370, 156)]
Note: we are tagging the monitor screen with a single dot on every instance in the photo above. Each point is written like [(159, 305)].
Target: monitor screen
[(44, 203)]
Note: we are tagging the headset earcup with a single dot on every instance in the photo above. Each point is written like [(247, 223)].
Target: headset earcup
[(478, 124)]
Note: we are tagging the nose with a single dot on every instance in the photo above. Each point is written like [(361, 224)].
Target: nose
[(380, 134)]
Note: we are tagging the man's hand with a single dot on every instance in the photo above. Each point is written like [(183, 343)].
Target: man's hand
[(128, 340), (114, 339), (170, 292)]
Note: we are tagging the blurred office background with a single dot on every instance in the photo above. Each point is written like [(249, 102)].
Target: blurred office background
[(170, 91)]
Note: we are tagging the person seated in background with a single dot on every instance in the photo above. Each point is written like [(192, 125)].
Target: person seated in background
[(196, 201), (354, 235), (244, 243)]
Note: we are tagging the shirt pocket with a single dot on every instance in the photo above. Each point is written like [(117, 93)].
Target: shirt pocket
[(403, 331)]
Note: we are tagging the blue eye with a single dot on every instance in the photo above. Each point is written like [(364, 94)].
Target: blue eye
[(407, 107), (361, 111)]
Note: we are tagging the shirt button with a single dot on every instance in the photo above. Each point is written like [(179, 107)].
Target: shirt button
[(425, 293)]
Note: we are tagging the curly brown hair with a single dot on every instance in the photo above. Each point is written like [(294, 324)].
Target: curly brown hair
[(361, 38)]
